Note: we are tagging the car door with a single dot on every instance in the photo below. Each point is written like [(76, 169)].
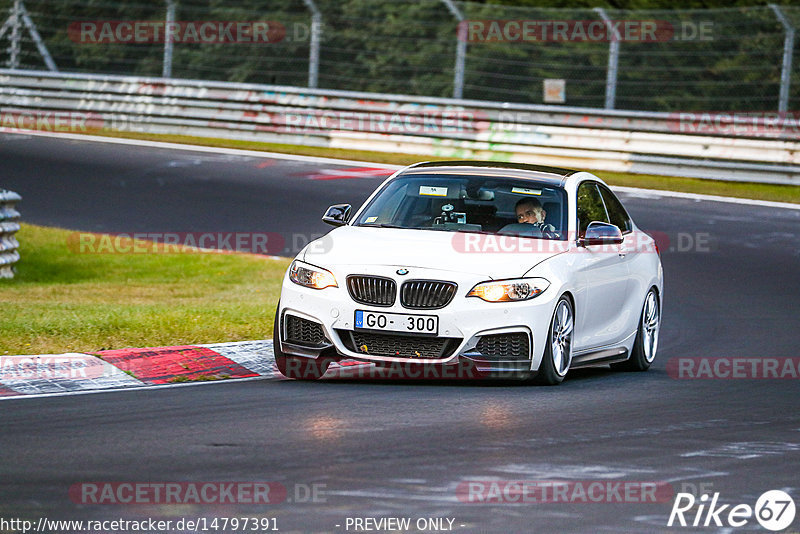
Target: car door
[(634, 258), (602, 276)]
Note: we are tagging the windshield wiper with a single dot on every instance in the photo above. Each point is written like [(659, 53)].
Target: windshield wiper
[(484, 232), (384, 225), (458, 230), (434, 228)]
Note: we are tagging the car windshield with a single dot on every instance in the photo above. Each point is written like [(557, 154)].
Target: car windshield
[(469, 203)]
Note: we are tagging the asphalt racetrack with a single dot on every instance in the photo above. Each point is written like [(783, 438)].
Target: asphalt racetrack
[(379, 449)]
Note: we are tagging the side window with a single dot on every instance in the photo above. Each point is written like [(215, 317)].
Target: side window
[(590, 206), (616, 212)]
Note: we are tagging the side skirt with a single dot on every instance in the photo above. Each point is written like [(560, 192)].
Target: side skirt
[(600, 357)]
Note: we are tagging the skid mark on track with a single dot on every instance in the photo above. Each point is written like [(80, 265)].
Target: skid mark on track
[(574, 471), (592, 436), (746, 450)]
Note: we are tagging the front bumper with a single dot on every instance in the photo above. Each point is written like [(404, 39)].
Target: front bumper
[(493, 336)]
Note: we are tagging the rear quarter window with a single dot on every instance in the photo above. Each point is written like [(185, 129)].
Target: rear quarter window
[(616, 211)]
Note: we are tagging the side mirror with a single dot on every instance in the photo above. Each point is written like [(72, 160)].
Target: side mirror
[(600, 233), (337, 215)]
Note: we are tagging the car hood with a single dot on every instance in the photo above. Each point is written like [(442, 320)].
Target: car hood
[(491, 256)]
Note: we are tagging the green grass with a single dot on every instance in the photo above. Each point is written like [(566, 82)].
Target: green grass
[(777, 193), (63, 301)]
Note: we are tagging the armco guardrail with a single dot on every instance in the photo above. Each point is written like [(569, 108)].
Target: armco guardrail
[(742, 148), (9, 225)]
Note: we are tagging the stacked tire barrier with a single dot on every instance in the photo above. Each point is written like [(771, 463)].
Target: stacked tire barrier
[(723, 147), (9, 226)]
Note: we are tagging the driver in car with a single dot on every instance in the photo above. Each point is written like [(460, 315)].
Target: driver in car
[(530, 220)]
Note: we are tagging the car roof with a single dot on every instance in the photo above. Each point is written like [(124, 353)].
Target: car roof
[(541, 173)]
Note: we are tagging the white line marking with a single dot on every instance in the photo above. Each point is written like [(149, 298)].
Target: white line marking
[(696, 196), (199, 148), (334, 161)]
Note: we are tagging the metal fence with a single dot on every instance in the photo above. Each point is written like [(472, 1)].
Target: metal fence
[(732, 59), (9, 225)]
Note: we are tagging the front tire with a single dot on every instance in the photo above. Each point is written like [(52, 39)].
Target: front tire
[(646, 344), (558, 351), (296, 367)]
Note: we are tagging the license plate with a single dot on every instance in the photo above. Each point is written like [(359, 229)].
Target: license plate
[(397, 322)]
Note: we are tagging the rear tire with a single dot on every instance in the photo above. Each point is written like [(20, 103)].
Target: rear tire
[(296, 367), (558, 351), (646, 343)]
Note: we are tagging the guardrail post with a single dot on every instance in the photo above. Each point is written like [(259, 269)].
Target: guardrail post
[(166, 67), (37, 39), (461, 50), (9, 225), (786, 69), (613, 59), (15, 23), (313, 53), (19, 15)]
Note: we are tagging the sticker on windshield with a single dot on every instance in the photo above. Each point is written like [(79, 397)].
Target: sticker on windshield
[(430, 191), (526, 191), (369, 220)]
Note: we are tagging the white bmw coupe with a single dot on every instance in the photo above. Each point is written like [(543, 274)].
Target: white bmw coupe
[(508, 268)]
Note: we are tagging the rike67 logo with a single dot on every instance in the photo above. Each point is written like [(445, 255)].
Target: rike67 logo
[(774, 510)]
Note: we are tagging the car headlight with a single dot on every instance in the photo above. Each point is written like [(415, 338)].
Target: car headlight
[(309, 276), (510, 290)]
